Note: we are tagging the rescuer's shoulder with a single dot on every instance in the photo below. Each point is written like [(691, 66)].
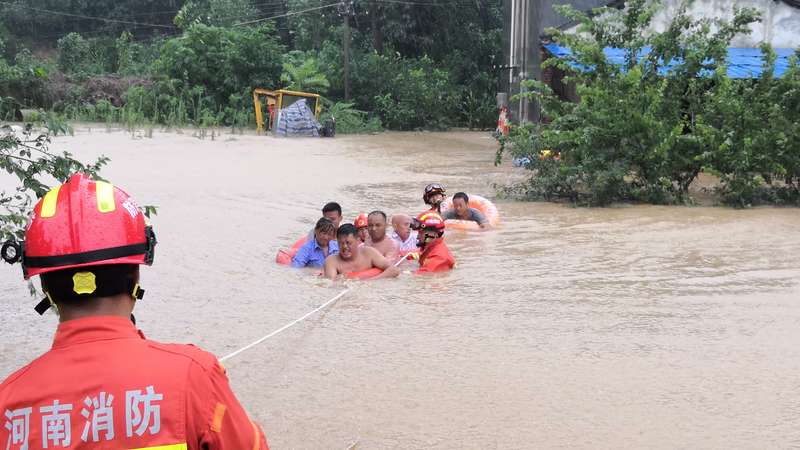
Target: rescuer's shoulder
[(206, 360)]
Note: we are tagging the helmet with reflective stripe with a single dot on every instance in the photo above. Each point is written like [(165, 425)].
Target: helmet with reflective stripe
[(432, 189), (86, 223), (361, 221), (431, 221)]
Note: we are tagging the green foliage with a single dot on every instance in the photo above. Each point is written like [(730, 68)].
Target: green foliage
[(25, 81), (406, 93), (350, 120), (453, 85), (301, 73), (80, 56), (26, 157), (643, 132), (220, 13), (222, 61)]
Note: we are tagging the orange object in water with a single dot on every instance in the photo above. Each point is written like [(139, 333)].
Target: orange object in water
[(482, 204), (436, 257), (364, 274), (284, 257)]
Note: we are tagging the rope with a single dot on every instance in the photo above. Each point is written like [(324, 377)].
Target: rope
[(296, 321)]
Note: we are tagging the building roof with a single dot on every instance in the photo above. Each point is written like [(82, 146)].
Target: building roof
[(742, 62)]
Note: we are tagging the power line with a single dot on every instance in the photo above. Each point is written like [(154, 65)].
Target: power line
[(287, 14), (104, 19)]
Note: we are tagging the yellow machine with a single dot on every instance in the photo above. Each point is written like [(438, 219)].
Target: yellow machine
[(277, 100)]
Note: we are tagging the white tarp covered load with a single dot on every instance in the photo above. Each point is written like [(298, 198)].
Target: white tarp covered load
[(297, 120)]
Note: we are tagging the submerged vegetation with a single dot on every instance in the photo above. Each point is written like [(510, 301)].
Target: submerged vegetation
[(645, 130)]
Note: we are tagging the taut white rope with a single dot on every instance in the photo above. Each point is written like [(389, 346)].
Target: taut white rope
[(296, 321)]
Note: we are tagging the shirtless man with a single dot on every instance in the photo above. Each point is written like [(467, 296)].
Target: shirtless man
[(378, 240), (354, 257)]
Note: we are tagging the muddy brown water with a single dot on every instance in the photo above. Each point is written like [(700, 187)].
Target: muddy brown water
[(623, 327)]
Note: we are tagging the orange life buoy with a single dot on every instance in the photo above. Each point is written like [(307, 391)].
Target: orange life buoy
[(364, 274), (482, 204), (284, 257)]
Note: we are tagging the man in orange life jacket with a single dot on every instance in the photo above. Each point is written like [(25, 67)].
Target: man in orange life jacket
[(434, 255), (103, 385)]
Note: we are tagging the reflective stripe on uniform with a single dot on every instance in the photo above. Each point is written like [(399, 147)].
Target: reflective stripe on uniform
[(219, 414), (181, 446), (256, 437)]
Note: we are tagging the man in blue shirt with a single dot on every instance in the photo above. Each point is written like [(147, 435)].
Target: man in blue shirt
[(314, 252)]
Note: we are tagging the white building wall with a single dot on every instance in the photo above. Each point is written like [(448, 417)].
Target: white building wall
[(780, 23)]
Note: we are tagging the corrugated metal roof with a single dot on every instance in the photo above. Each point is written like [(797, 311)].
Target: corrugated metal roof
[(742, 62)]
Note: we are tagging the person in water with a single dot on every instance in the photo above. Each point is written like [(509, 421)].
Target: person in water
[(434, 255), (462, 211), (314, 251), (362, 226), (403, 235), (433, 196), (378, 239), (354, 257), (332, 211)]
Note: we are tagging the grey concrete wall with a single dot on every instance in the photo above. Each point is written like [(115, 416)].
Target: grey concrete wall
[(780, 25)]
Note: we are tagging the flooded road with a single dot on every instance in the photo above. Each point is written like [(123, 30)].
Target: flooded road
[(624, 327)]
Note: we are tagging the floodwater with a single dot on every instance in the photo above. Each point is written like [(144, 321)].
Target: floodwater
[(623, 327)]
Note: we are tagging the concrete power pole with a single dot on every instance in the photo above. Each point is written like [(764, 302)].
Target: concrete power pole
[(347, 11), (522, 30)]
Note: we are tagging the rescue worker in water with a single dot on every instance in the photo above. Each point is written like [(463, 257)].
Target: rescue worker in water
[(434, 255), (103, 384)]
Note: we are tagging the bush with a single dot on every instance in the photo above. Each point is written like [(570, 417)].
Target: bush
[(82, 57), (223, 61), (350, 120), (25, 80), (301, 73), (644, 131), (406, 93)]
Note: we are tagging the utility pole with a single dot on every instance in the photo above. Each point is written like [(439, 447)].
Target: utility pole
[(523, 27), (347, 8)]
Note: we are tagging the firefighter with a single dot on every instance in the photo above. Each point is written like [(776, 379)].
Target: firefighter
[(434, 255), (103, 384)]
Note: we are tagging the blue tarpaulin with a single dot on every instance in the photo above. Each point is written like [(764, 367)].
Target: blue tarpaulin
[(297, 120), (741, 62)]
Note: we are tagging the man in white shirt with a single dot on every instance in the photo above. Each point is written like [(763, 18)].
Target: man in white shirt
[(405, 237)]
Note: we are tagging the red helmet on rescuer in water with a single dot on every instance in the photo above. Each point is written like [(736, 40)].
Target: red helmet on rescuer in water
[(431, 221), (86, 223), (361, 221)]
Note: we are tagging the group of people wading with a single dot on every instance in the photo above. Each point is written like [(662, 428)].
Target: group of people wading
[(103, 384), (342, 249)]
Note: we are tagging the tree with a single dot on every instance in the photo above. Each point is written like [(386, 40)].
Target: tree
[(26, 156)]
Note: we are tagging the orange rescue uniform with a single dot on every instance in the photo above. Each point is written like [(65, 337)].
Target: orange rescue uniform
[(103, 385), (436, 257)]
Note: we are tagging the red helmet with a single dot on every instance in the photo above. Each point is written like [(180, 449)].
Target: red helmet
[(432, 189), (431, 220), (361, 221), (86, 223)]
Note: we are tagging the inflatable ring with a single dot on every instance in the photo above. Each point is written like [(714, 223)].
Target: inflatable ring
[(475, 201), (364, 274), (284, 257)]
